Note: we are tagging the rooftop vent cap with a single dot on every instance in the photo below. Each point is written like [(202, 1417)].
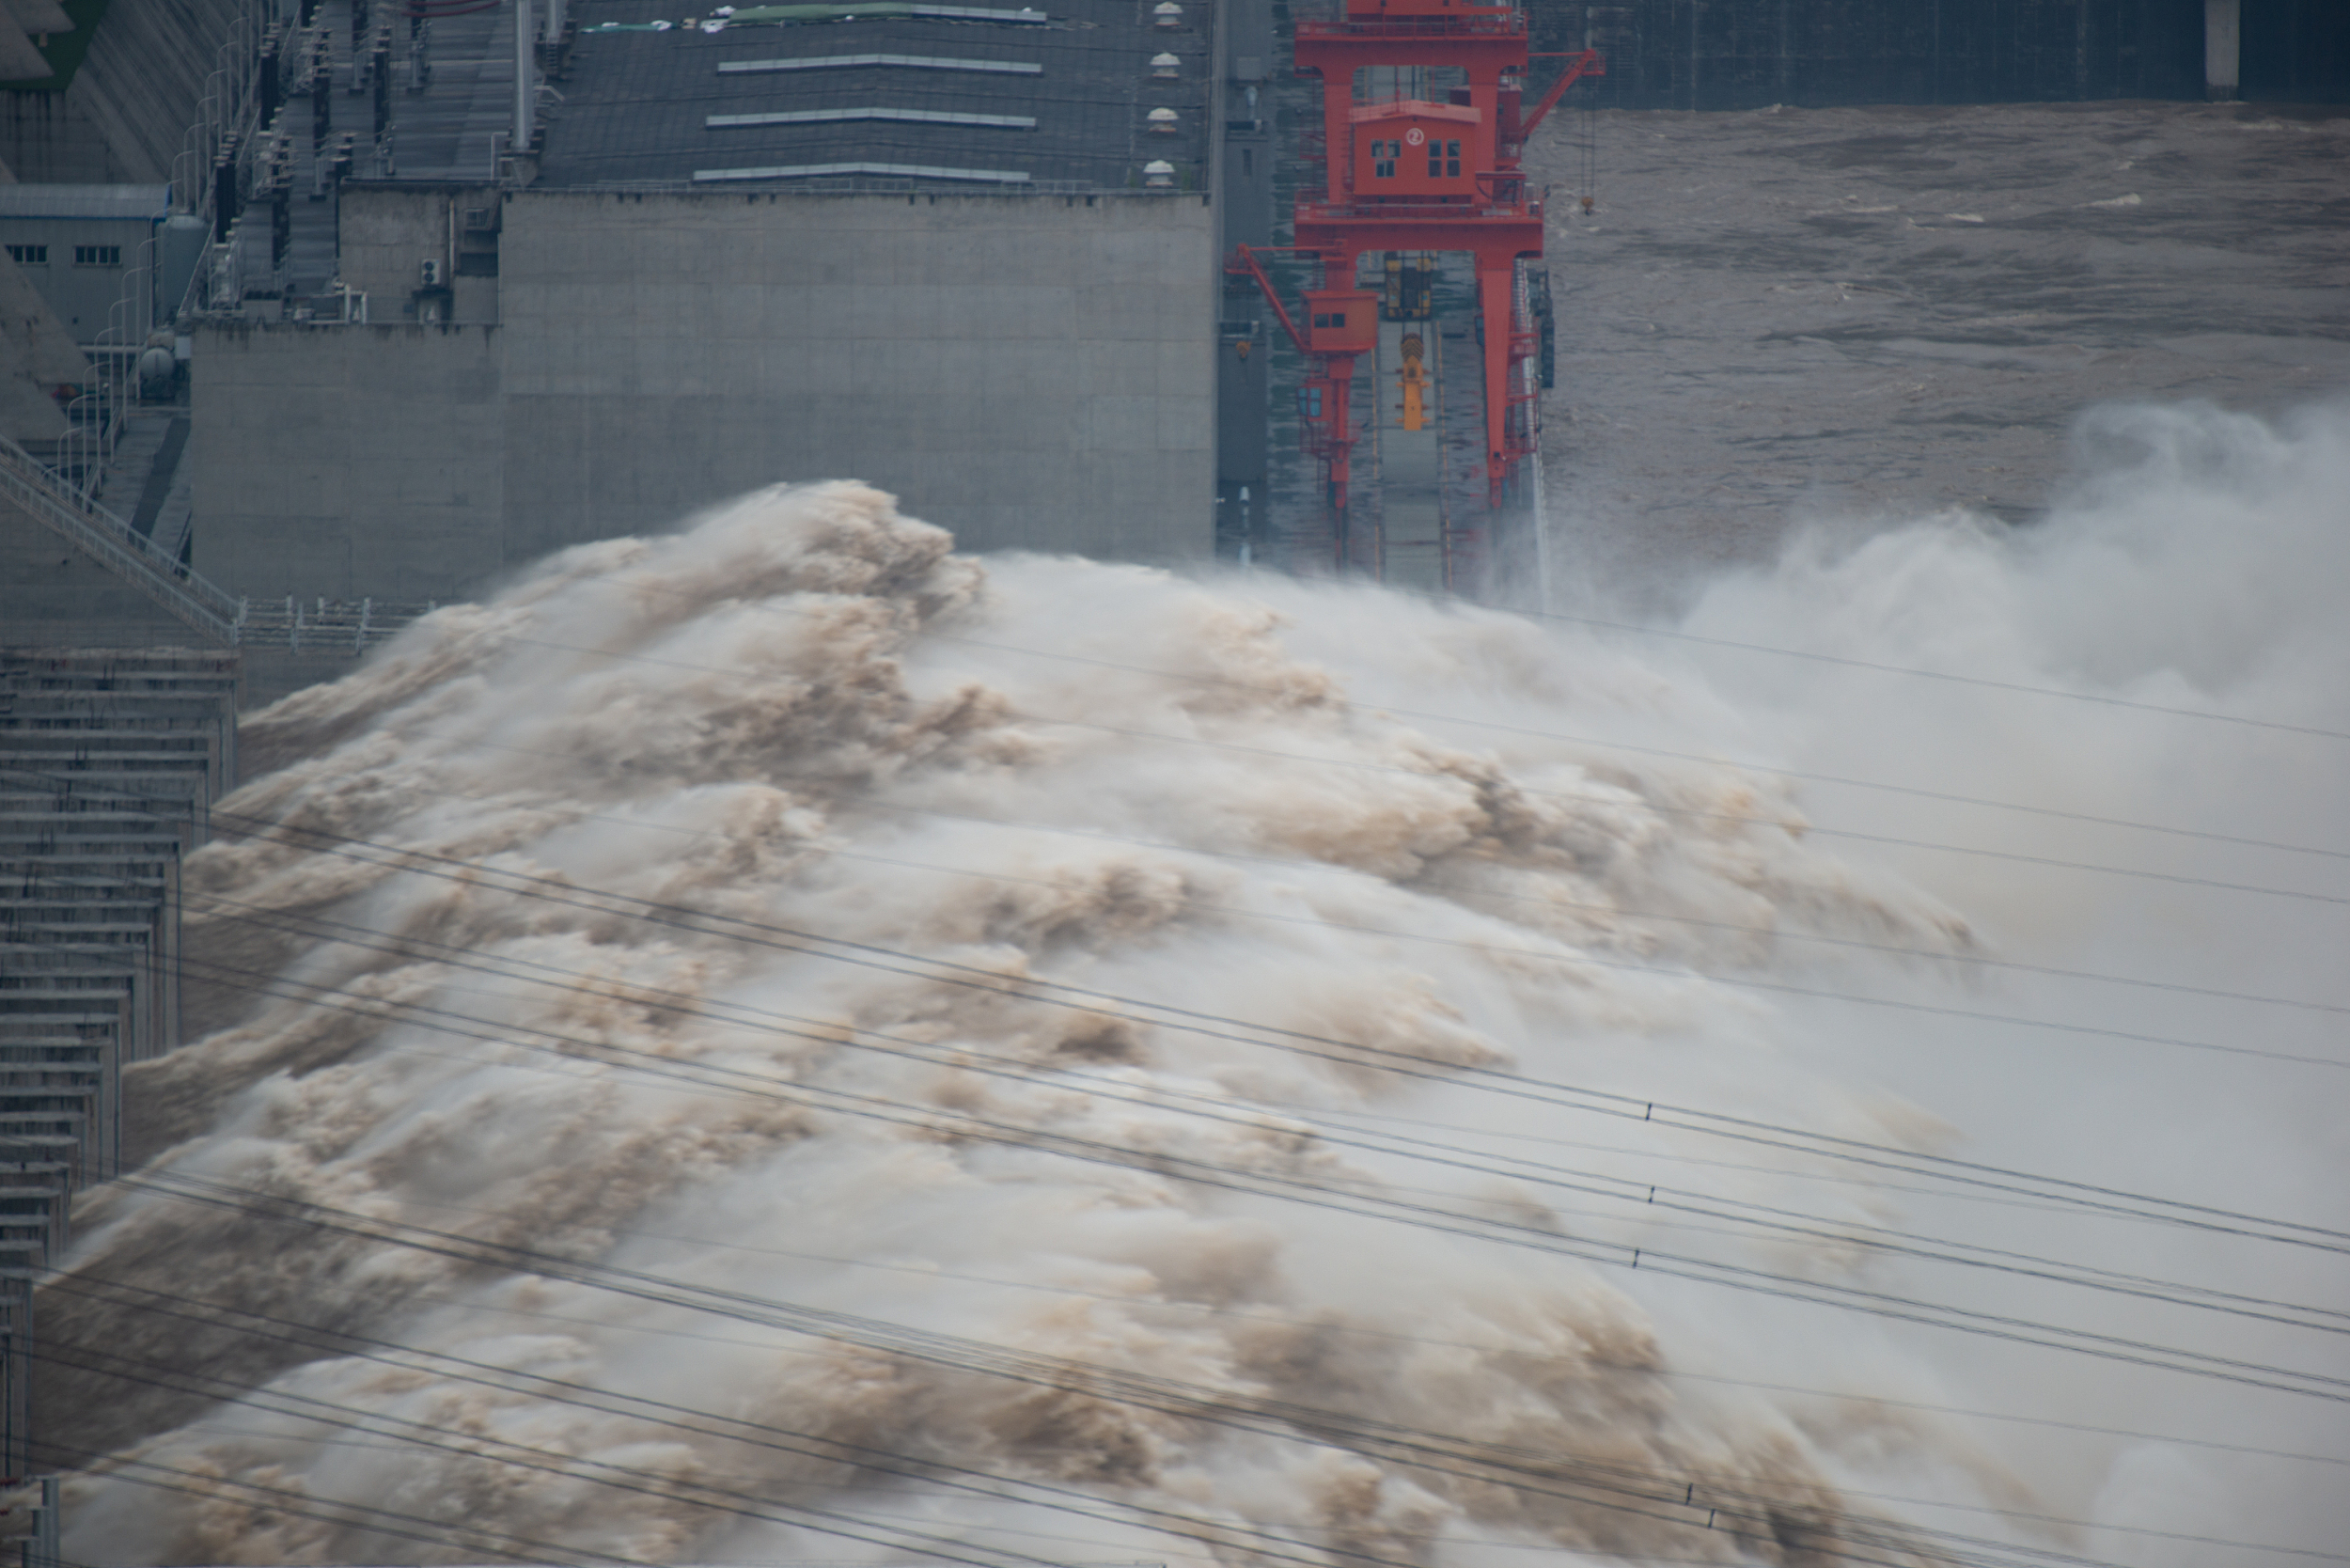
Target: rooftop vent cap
[(1158, 175), (1167, 13), (1167, 66), (1162, 121)]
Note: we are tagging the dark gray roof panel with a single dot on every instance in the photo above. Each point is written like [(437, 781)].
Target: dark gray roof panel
[(636, 103), (149, 202)]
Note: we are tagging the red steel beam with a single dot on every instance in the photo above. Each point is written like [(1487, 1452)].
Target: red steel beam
[(1582, 63), (1244, 260)]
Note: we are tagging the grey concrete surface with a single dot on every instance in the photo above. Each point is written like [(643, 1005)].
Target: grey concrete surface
[(1033, 372), (347, 461), (1407, 465), (388, 232), (52, 595), (1030, 371), (1781, 314)]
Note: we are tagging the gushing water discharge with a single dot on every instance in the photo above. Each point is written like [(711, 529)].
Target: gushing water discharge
[(780, 1041)]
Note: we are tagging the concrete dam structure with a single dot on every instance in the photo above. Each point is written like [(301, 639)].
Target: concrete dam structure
[(438, 291)]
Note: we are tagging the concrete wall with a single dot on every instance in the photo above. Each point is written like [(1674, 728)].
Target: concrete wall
[(52, 595), (37, 356), (1032, 371), (86, 298), (348, 462), (388, 230)]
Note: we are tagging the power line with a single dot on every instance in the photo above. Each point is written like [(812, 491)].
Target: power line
[(398, 1525), (1368, 1205), (1645, 1196), (1189, 678), (1638, 1491), (1691, 812), (1835, 1147), (1402, 1064), (1747, 983), (588, 1397), (1327, 1325), (2052, 862), (2021, 688), (769, 607), (1933, 956), (2017, 686), (1038, 990), (480, 1443), (687, 1418)]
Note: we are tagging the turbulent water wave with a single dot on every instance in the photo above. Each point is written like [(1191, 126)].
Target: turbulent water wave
[(781, 1041)]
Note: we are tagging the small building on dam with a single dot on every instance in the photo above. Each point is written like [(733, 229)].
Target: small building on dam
[(439, 288), (944, 249)]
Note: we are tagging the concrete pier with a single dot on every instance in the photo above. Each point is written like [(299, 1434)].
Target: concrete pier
[(1408, 428), (109, 764), (2223, 49)]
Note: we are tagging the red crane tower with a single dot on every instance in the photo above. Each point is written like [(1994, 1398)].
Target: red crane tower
[(1406, 174)]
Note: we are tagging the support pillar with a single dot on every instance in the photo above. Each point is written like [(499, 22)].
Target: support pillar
[(526, 88), (1496, 299), (2223, 49)]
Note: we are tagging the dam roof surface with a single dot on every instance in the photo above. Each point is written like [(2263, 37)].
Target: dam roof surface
[(1055, 93)]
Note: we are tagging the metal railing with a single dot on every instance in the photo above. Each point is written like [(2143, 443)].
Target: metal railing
[(228, 115), (316, 625), (323, 625), (115, 544), (94, 419)]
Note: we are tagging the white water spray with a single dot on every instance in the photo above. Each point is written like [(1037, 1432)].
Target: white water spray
[(1113, 970)]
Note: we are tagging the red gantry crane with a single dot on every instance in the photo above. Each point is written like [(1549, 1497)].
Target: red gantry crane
[(1406, 174)]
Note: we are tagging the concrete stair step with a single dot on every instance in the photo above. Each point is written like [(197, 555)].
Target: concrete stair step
[(58, 1079), (114, 662), (89, 739), (55, 905), (26, 874), (32, 1004), (17, 1027), (23, 1109)]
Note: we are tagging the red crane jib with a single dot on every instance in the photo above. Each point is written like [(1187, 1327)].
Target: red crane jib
[(1410, 174)]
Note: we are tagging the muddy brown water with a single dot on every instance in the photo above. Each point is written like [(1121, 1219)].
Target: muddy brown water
[(1865, 313)]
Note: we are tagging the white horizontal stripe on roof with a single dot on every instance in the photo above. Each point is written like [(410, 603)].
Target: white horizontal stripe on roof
[(919, 62), (907, 171), (830, 116), (980, 13)]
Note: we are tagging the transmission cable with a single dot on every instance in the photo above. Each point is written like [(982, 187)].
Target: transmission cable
[(1943, 1167), (1790, 1222), (559, 890), (1370, 1204), (1665, 1501), (1402, 1064), (686, 1419), (1694, 813)]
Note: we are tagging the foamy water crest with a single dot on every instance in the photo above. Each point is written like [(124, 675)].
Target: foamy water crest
[(780, 1041)]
